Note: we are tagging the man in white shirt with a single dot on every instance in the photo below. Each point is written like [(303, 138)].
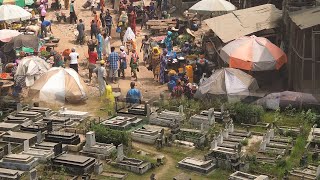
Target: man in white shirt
[(74, 56)]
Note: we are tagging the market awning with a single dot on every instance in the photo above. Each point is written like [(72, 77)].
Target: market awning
[(210, 6), (245, 21), (12, 13), (306, 18)]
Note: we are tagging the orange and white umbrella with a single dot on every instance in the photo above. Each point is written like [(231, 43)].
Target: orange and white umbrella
[(7, 34), (253, 54)]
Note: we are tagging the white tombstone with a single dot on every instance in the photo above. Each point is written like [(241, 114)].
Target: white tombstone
[(231, 127), (268, 136), (181, 110), (148, 111), (272, 133), (318, 172), (225, 133), (211, 117), (9, 148), (201, 127), (19, 107), (46, 114), (222, 108), (39, 137), (26, 145), (263, 145), (120, 154), (90, 139), (214, 143)]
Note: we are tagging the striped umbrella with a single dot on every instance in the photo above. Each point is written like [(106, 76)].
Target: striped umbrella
[(253, 54), (60, 85)]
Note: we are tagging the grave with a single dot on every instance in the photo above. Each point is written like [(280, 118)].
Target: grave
[(307, 173), (114, 175), (101, 150), (44, 111), (5, 149), (181, 176), (64, 112), (17, 120), (20, 137), (200, 120), (168, 118), (75, 163), (10, 174), (34, 127), (314, 140), (145, 135), (275, 145), (9, 126), (195, 136), (64, 137), (20, 162), (59, 121), (41, 154), (122, 122), (135, 109), (34, 116), (238, 175), (130, 164), (197, 165), (218, 113), (49, 146)]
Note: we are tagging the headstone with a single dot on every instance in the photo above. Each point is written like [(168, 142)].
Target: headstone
[(148, 110), (90, 139), (318, 172), (211, 116), (181, 110), (231, 127), (49, 126), (33, 174), (201, 127), (222, 108), (57, 149), (263, 145), (272, 133), (120, 154), (268, 136), (39, 137), (19, 107), (9, 148), (46, 114), (214, 144), (225, 133), (98, 168), (220, 139), (26, 145)]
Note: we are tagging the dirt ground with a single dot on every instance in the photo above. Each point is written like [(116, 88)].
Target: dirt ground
[(65, 32)]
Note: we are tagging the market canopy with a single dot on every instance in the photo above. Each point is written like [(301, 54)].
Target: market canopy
[(253, 54), (7, 34), (245, 21), (13, 13), (20, 3), (228, 81), (212, 6), (60, 85), (30, 69), (288, 98), (28, 41), (306, 18)]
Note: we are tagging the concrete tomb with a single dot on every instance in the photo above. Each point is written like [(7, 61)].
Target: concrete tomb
[(9, 126), (207, 121), (49, 146), (197, 165), (307, 173), (114, 175), (20, 137), (122, 122), (168, 118), (10, 174), (238, 175), (64, 112), (34, 116), (74, 163), (191, 135), (20, 162), (64, 137), (145, 135), (44, 111), (131, 164), (17, 120), (97, 149)]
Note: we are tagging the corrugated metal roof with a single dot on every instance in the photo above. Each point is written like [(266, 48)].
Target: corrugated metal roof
[(306, 18), (246, 21)]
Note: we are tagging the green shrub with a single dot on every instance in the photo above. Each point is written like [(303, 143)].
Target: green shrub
[(106, 135), (245, 113), (244, 142)]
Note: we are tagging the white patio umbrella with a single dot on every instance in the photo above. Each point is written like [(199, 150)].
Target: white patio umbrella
[(228, 81), (60, 85), (217, 7), (12, 13), (30, 69), (7, 34)]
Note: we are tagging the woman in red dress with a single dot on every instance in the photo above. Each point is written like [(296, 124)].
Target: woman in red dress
[(133, 19)]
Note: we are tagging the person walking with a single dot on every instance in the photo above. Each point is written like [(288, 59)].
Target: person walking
[(73, 17), (97, 19), (163, 67), (93, 29), (133, 19), (103, 19), (74, 56), (133, 95), (101, 73), (145, 18), (108, 21), (134, 64), (123, 62), (93, 58), (113, 64), (100, 45), (43, 12), (155, 61), (106, 45), (80, 28)]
